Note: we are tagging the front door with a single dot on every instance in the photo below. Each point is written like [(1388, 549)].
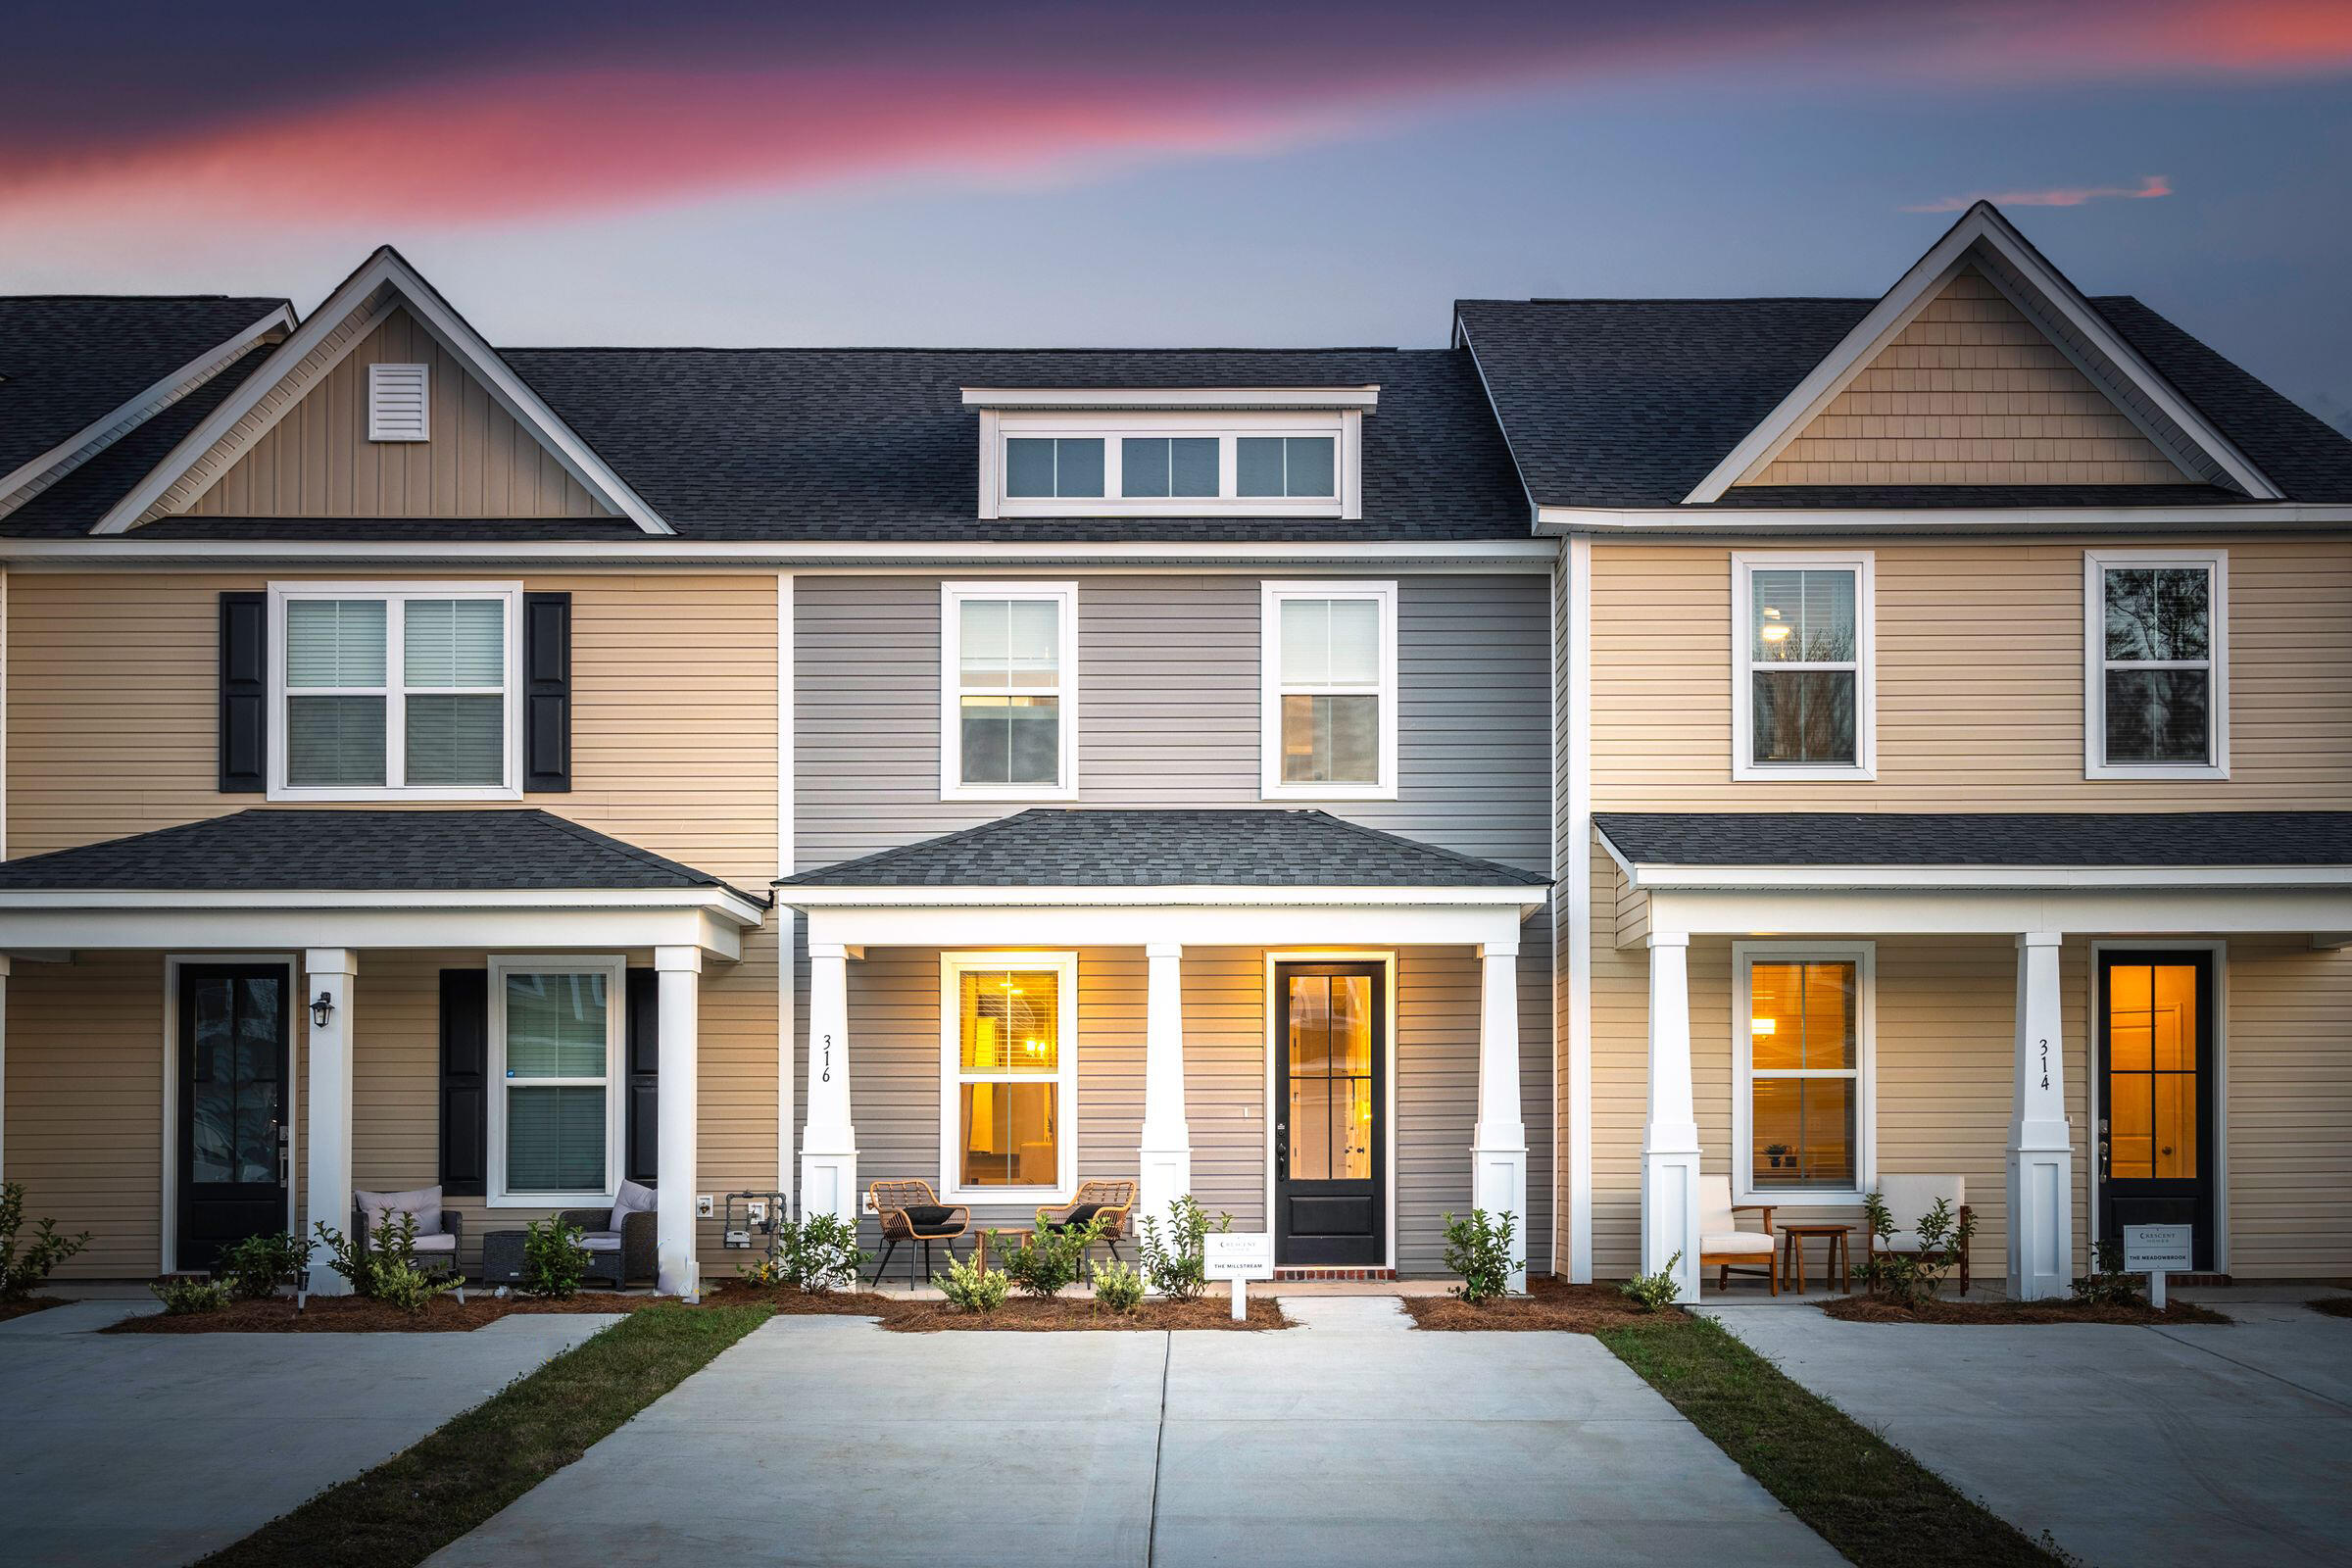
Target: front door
[(232, 1108), (1329, 1141), (2155, 1066)]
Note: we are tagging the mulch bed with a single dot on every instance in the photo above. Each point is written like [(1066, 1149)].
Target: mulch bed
[(24, 1306), (1019, 1314), (1873, 1309), (2333, 1305), (351, 1314), (1550, 1304)]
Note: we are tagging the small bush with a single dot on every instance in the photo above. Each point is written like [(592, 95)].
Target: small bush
[(1046, 1261), (1650, 1292), (386, 1271), (969, 1288), (255, 1267), (184, 1295), (1479, 1250), (1178, 1263), (554, 1261), (22, 1272), (816, 1255), (2107, 1285), (1912, 1279), (1117, 1287)]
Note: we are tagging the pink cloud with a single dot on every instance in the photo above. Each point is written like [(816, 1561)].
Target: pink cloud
[(2149, 186)]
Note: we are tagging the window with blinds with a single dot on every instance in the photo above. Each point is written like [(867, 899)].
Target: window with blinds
[(555, 1043), (1330, 697), (397, 693)]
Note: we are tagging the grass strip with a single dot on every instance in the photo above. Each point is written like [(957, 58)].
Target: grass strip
[(1874, 1502), (422, 1499)]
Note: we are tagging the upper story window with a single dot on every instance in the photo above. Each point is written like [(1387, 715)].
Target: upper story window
[(2156, 676), (1068, 468), (1009, 691), (1328, 726), (390, 692), (1803, 705)]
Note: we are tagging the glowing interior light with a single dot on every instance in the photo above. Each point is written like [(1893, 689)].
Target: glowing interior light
[(1763, 1026), (1774, 634)]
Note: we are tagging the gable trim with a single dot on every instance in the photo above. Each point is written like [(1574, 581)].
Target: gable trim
[(386, 270), (1983, 224)]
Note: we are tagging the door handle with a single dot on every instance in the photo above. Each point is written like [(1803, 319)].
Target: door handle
[(284, 1133)]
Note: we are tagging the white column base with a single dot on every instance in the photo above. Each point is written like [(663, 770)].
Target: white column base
[(2041, 1221), (1165, 1175), (829, 1184), (1670, 1215), (1499, 1184)]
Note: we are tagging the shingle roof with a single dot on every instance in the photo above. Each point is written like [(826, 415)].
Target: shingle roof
[(1630, 403), (66, 359), (1053, 846), (308, 851), (1972, 838)]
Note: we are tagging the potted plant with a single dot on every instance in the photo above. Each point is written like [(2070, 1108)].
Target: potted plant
[(1775, 1152)]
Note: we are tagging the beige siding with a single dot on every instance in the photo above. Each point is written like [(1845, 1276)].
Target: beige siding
[(317, 461), (1980, 682), (2288, 1110), (1970, 392)]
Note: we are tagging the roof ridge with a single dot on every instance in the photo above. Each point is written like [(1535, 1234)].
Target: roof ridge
[(917, 347)]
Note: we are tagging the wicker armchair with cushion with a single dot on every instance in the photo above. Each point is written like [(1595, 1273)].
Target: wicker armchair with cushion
[(1108, 1202), (911, 1212), (623, 1242), (1723, 1245), (437, 1229)]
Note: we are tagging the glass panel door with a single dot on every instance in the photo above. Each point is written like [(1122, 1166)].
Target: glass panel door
[(232, 1108), (2155, 1095), (1328, 1139)]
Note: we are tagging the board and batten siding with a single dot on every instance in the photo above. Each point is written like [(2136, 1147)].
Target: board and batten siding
[(1168, 717)]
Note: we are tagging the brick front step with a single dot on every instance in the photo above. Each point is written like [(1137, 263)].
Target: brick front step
[(1334, 1274)]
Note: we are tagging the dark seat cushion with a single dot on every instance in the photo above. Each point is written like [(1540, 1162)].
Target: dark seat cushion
[(929, 1216), (1080, 1214)]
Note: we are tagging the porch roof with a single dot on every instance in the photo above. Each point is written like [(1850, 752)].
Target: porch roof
[(2044, 840)]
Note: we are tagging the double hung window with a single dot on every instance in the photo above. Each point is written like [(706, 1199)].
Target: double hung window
[(556, 1118), (1801, 629), (1010, 1075), (1803, 1054), (1330, 702), (1006, 672), (2156, 676)]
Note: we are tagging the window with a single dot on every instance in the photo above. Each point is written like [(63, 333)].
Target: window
[(1298, 465), (399, 407), (393, 692), (1007, 724), (1157, 465), (554, 1063), (1131, 462), (1329, 673), (1804, 707), (1009, 1113), (1803, 1112), (1064, 467), (2156, 675)]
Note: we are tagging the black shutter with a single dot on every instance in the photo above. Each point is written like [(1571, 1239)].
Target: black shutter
[(547, 693), (643, 1049), (465, 1082), (244, 744)]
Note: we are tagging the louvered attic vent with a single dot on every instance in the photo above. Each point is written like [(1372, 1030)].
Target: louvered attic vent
[(396, 403)]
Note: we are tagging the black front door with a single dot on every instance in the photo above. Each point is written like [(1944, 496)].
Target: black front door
[(1330, 1145), (232, 1107), (2155, 1067)]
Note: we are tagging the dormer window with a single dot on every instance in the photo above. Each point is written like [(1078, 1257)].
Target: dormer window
[(1065, 468)]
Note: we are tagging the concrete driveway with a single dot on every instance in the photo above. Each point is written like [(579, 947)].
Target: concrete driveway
[(158, 1448), (2201, 1445), (1356, 1439)]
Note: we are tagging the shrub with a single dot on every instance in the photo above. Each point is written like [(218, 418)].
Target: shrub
[(1046, 1261), (2107, 1285), (970, 1287), (184, 1295), (1117, 1287), (21, 1271), (258, 1265), (387, 1270), (553, 1260), (1912, 1279), (1479, 1250), (816, 1255), (1650, 1292), (1178, 1263)]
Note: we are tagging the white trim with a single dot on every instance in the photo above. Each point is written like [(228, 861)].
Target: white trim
[(1271, 593), (36, 474), (1864, 957), (1578, 877), (1863, 564), (2096, 564), (387, 269), (1063, 967), (787, 959), (1982, 226), (1659, 877), (297, 1009), (147, 921), (953, 597), (1386, 957), (991, 398), (1527, 898), (1076, 928), (2093, 1088), (1753, 521), (388, 378), (396, 596), (720, 902), (914, 556), (614, 969), (1342, 427), (1891, 912)]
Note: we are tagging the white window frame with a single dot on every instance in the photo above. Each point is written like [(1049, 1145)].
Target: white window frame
[(395, 692), (1272, 785), (1864, 956), (1064, 967), (1863, 563), (2096, 564), (614, 969), (953, 597), (1345, 426)]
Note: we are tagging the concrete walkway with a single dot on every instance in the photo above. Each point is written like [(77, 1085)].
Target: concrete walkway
[(158, 1448), (2204, 1446), (1356, 1439)]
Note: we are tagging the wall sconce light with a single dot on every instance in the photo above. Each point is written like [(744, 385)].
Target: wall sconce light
[(322, 1009)]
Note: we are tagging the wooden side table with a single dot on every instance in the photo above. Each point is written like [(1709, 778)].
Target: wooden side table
[(1840, 1255)]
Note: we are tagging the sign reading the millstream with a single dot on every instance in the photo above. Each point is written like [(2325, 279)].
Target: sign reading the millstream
[(2156, 1249), (1240, 1255)]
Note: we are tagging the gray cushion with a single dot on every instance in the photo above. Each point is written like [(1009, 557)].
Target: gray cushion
[(632, 1198), (601, 1240), (423, 1201), (438, 1242)]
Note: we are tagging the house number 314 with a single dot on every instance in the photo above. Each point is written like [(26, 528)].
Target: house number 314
[(2045, 1064)]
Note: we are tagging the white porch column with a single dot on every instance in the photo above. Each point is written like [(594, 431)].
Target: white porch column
[(2041, 1159), (829, 1143), (326, 1166), (3, 1066), (1498, 1140), (1670, 1136), (676, 1163), (1164, 1161)]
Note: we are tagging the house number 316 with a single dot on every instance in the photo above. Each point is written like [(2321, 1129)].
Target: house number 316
[(826, 1076)]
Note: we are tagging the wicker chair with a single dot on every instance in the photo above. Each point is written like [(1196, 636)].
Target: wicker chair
[(911, 1212), (637, 1257), (436, 1252), (1908, 1199), (1110, 1201)]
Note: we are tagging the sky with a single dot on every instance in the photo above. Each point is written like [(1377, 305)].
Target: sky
[(1219, 173)]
